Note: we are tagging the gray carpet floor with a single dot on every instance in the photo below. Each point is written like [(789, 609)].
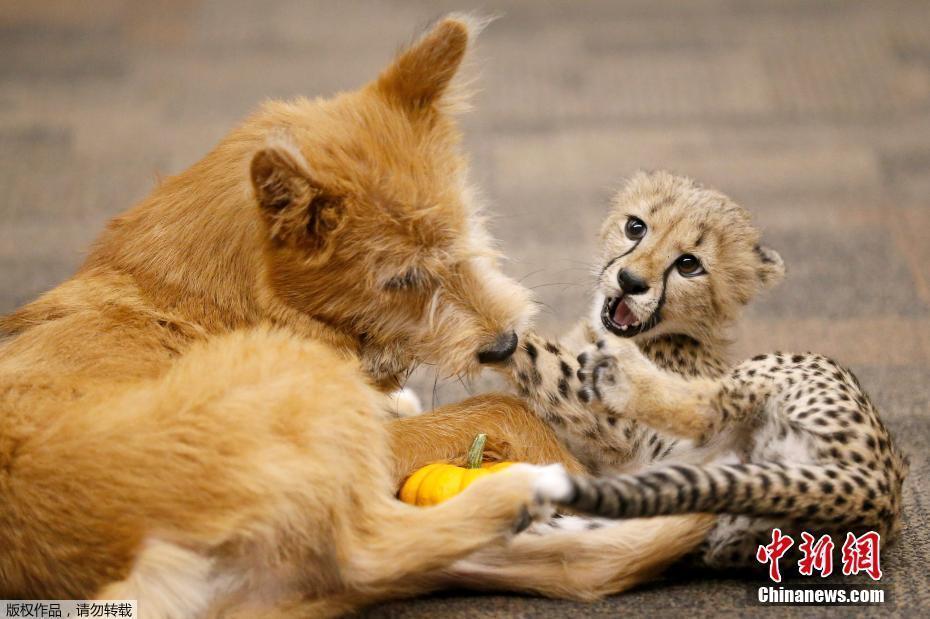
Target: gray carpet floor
[(815, 115)]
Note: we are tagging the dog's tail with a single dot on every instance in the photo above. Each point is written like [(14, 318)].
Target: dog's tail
[(583, 564)]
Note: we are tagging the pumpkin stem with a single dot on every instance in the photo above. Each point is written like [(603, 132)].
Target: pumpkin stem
[(476, 452)]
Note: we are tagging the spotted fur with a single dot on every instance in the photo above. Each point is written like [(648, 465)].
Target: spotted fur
[(669, 425)]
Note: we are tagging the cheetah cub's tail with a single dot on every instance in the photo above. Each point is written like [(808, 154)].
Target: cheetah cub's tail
[(831, 494)]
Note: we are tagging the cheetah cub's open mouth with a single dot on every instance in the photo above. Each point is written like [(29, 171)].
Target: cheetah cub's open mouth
[(621, 320)]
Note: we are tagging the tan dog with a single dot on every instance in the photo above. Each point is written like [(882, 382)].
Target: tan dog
[(190, 420)]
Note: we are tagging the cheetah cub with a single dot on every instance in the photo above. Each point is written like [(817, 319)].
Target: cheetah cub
[(653, 406)]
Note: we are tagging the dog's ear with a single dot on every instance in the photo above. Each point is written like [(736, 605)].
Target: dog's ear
[(296, 208), (771, 267), (421, 74)]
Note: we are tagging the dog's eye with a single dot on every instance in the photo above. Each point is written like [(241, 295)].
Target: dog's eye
[(405, 281), (635, 228), (689, 266)]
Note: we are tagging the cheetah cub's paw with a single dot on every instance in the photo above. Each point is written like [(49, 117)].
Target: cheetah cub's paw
[(606, 371)]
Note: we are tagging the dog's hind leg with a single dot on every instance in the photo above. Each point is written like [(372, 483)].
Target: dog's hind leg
[(581, 564), (394, 550), (398, 542), (274, 467)]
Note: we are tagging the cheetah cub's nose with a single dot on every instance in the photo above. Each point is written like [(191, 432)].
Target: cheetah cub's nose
[(630, 283)]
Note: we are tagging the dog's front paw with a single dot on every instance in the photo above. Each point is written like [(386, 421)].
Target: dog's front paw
[(553, 484), (549, 485)]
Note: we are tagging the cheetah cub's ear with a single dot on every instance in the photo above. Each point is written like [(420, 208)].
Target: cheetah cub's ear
[(771, 268), (298, 210)]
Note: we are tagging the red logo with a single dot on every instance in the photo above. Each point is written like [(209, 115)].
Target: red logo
[(859, 554), (773, 552), (817, 556)]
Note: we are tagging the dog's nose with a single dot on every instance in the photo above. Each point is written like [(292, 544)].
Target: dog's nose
[(500, 350), (631, 284)]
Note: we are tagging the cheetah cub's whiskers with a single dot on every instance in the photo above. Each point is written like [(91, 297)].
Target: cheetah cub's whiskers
[(654, 407)]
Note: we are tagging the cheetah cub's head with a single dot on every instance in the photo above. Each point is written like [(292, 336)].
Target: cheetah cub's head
[(676, 257)]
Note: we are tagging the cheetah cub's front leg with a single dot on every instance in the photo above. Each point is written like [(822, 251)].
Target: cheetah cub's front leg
[(616, 375)]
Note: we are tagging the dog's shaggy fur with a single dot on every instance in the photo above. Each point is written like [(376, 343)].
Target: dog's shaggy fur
[(185, 420), (195, 419)]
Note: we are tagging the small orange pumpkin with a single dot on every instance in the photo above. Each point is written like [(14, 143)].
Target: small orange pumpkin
[(436, 482)]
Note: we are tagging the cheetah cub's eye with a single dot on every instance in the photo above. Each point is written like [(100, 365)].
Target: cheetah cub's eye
[(689, 266), (635, 228)]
